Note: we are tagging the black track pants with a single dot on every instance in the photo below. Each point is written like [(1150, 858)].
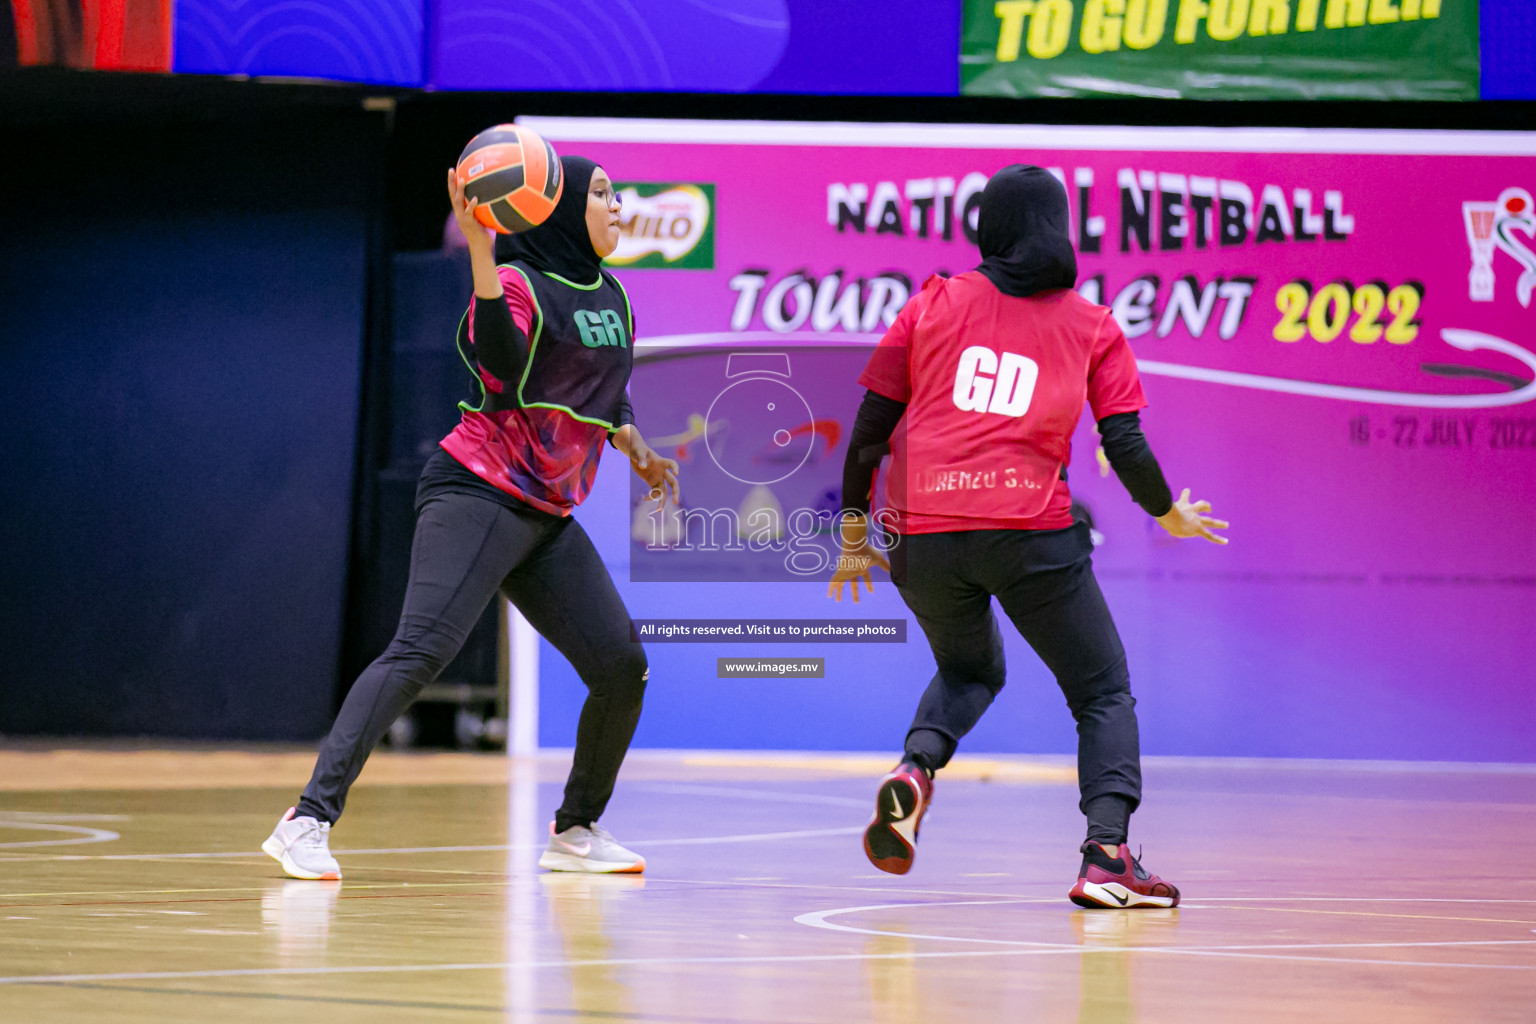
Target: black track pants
[(1043, 579), (467, 548)]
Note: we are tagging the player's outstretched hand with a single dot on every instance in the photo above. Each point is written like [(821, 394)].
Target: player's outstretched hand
[(659, 474), (853, 566), (854, 558), (1185, 519)]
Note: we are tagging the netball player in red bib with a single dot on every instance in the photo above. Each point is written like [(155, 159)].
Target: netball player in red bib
[(549, 336), (977, 387)]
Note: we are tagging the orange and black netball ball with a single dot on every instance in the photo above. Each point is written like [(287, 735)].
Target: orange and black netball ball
[(514, 174)]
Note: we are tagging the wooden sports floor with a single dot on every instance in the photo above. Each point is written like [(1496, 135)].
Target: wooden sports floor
[(133, 891)]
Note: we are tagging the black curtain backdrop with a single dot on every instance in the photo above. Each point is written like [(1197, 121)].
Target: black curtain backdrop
[(185, 300)]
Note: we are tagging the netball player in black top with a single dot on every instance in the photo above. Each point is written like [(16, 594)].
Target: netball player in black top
[(549, 336), (988, 373)]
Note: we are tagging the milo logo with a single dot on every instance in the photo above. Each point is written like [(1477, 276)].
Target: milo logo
[(666, 225)]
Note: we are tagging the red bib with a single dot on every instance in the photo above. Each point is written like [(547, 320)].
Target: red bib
[(997, 386)]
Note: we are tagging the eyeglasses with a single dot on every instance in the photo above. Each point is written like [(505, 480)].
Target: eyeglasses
[(607, 196)]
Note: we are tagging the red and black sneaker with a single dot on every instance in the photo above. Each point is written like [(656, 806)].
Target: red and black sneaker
[(1116, 882), (890, 841)]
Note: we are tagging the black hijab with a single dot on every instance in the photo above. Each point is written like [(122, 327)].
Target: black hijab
[(562, 244), (1025, 247)]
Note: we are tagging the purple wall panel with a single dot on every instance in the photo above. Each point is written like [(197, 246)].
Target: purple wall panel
[(1375, 598), (378, 41), (697, 46)]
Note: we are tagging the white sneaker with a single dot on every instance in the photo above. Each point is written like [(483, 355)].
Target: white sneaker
[(303, 847), (592, 849)]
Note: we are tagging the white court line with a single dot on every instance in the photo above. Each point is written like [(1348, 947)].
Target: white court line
[(496, 848), (651, 879), (83, 834), (262, 972), (1059, 950), (1354, 899), (818, 919), (847, 830), (1337, 959), (1053, 898), (788, 798), (102, 835), (51, 817), (886, 890)]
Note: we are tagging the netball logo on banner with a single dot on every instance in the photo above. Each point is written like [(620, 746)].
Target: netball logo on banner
[(1489, 228)]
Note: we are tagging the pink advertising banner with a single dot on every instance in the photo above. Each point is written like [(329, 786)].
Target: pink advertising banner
[(1334, 330)]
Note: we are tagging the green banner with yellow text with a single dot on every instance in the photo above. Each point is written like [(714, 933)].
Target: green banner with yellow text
[(1222, 49)]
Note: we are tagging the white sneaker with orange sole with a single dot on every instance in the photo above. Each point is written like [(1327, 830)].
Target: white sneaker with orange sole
[(302, 845), (591, 849)]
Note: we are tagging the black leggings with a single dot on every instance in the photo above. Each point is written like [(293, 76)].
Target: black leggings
[(1043, 579), (466, 548)]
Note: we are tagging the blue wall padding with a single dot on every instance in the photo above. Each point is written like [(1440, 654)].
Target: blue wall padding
[(179, 377)]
